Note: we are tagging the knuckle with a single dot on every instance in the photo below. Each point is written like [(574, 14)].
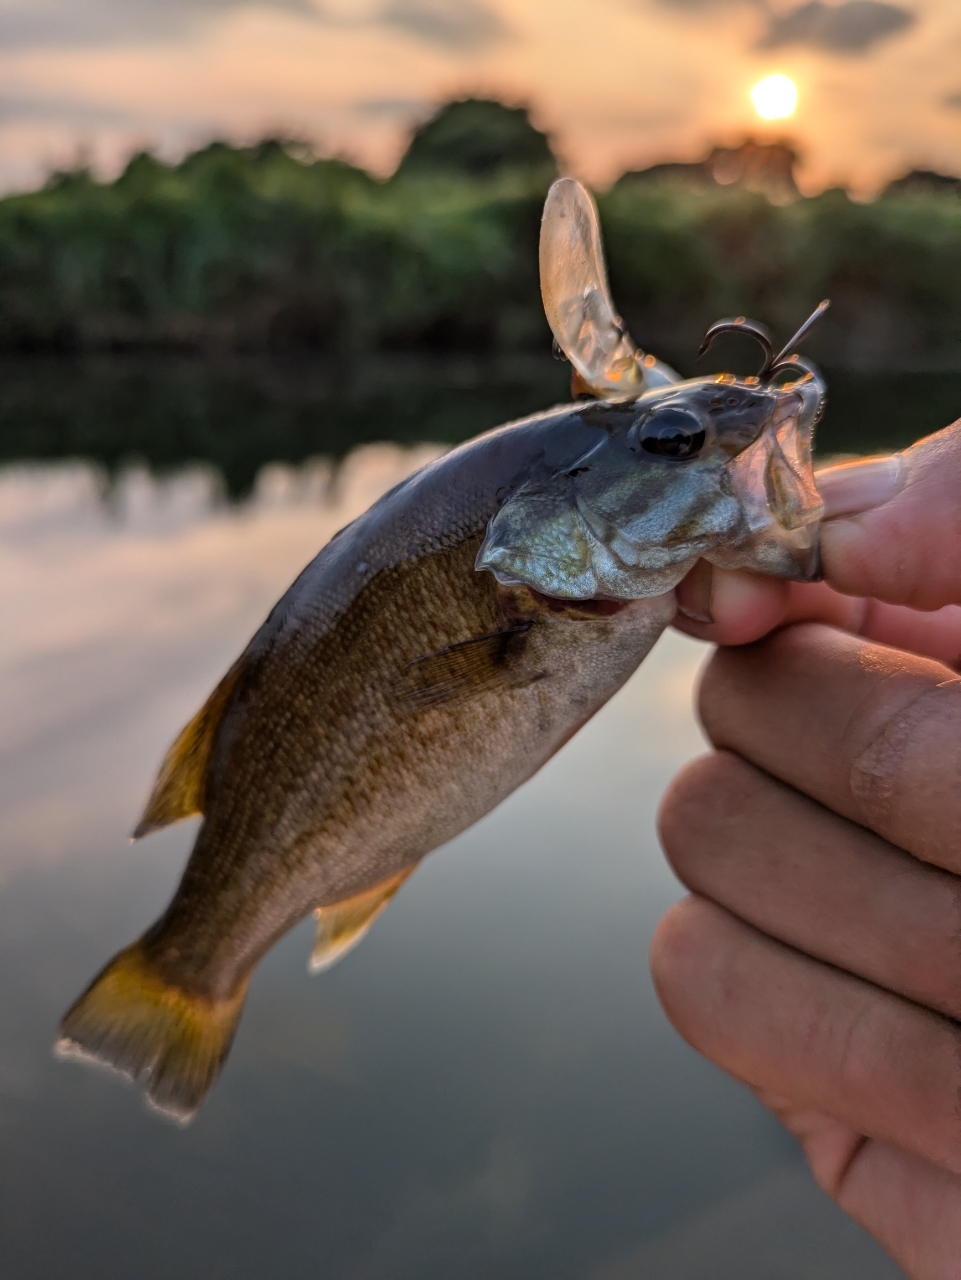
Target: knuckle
[(953, 969), (682, 799), (905, 770), (949, 1124), (699, 803), (714, 691)]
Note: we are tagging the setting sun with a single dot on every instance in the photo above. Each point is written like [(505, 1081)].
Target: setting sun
[(774, 97)]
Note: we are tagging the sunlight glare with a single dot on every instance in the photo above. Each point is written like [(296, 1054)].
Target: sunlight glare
[(774, 97)]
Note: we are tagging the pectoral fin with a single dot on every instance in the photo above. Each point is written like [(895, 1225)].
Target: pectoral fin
[(341, 926), (179, 791), (459, 670)]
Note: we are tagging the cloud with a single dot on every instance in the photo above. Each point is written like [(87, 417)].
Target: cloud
[(489, 1204), (14, 110), (700, 5), (851, 27), (59, 23), (463, 26), (953, 101), (388, 108)]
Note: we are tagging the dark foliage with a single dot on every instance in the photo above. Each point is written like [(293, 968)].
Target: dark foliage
[(270, 249), (478, 138)]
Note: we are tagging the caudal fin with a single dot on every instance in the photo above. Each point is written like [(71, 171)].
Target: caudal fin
[(134, 1021)]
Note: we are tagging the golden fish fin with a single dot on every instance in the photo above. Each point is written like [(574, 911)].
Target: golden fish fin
[(132, 1020), (459, 670), (343, 924), (179, 791)]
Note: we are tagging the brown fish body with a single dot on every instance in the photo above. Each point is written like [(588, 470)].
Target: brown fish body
[(317, 799), (392, 698)]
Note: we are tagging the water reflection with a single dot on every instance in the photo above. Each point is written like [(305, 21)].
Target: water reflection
[(486, 1087), (238, 414)]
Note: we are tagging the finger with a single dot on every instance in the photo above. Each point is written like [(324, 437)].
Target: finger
[(894, 525), (786, 1023), (889, 533), (910, 1206), (872, 733), (743, 607), (803, 875), (932, 635)]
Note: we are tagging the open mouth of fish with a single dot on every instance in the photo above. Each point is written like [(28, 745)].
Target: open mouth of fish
[(712, 468)]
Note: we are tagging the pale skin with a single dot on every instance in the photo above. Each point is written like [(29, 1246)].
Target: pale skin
[(818, 958)]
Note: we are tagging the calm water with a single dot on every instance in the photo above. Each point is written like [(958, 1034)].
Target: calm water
[(240, 413), (485, 1088)]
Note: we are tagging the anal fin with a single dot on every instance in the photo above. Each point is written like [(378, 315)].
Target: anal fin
[(179, 791), (343, 924)]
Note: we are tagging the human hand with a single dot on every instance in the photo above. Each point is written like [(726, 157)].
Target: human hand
[(819, 958)]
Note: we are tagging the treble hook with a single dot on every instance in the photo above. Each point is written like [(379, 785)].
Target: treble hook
[(805, 328), (740, 324), (762, 336)]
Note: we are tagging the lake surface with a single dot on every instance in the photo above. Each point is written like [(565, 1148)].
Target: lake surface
[(241, 413), (485, 1088)]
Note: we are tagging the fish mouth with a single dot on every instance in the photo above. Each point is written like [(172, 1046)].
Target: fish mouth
[(579, 539), (773, 481), (802, 558), (521, 599), (810, 565)]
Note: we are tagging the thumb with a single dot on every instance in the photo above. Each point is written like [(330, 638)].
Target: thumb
[(892, 526)]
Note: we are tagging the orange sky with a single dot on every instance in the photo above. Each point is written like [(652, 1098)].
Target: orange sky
[(619, 83)]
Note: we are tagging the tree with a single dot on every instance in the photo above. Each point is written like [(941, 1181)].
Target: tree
[(478, 138)]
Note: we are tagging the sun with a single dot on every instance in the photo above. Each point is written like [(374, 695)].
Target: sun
[(774, 97)]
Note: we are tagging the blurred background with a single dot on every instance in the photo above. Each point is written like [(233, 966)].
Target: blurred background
[(257, 262), (243, 232)]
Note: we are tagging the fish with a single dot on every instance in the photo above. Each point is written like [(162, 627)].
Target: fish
[(439, 650)]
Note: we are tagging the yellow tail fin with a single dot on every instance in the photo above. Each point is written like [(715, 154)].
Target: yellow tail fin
[(132, 1020)]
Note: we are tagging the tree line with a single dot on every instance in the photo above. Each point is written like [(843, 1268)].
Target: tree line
[(272, 248)]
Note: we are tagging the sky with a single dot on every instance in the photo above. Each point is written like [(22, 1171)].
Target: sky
[(617, 83)]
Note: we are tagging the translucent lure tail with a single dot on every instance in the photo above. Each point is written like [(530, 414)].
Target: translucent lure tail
[(134, 1021)]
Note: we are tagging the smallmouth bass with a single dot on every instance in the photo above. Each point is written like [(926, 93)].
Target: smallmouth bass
[(436, 653)]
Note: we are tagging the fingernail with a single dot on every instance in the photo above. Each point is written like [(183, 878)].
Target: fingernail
[(859, 486), (694, 593)]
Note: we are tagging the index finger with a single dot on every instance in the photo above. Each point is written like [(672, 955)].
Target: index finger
[(894, 524), (892, 532), (746, 606)]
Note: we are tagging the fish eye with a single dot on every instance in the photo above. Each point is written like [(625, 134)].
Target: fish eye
[(672, 433)]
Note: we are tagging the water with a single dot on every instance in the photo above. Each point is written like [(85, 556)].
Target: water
[(239, 414), (485, 1087)]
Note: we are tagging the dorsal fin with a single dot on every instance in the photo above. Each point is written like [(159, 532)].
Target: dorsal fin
[(343, 924), (179, 791)]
